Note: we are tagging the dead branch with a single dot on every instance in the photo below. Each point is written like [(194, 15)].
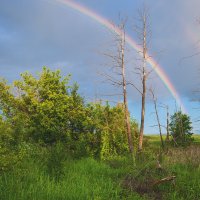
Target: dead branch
[(163, 180), (157, 116), (133, 85)]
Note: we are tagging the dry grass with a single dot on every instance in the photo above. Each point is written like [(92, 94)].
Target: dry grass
[(189, 155)]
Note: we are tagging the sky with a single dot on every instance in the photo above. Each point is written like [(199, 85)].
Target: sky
[(41, 33)]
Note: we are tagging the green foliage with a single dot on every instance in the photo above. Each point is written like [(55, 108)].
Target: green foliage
[(48, 107), (109, 130), (46, 110), (10, 151), (181, 128)]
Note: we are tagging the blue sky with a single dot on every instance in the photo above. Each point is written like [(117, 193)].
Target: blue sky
[(45, 33)]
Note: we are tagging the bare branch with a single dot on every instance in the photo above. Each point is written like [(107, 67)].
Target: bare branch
[(134, 87), (157, 116)]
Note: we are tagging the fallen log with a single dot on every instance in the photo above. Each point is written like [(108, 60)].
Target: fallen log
[(163, 180)]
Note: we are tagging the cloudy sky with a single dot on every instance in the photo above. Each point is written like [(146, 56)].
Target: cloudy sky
[(36, 33)]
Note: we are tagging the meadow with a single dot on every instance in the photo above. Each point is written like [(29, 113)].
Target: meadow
[(40, 178)]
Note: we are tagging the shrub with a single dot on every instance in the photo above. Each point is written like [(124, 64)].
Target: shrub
[(181, 129)]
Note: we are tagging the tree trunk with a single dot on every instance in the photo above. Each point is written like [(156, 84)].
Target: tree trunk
[(144, 76), (167, 138), (127, 118), (142, 113), (157, 117)]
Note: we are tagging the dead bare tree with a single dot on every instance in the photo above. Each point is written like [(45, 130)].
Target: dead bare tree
[(121, 58), (119, 70), (167, 125), (157, 116), (144, 33), (167, 121)]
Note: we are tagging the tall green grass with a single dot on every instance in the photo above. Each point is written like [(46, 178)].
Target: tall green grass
[(187, 185), (88, 179), (82, 179)]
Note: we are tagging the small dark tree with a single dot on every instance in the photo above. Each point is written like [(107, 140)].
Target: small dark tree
[(181, 129)]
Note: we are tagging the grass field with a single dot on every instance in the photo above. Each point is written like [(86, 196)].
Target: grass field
[(196, 139), (112, 179)]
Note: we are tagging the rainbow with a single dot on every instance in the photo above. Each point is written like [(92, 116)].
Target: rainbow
[(101, 20)]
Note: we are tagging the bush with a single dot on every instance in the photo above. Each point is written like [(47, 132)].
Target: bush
[(181, 129), (9, 150)]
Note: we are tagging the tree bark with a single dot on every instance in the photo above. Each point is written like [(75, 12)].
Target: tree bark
[(127, 118), (144, 52), (167, 138), (142, 113), (157, 117)]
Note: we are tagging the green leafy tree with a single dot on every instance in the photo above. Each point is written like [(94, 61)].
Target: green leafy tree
[(181, 128), (45, 109)]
